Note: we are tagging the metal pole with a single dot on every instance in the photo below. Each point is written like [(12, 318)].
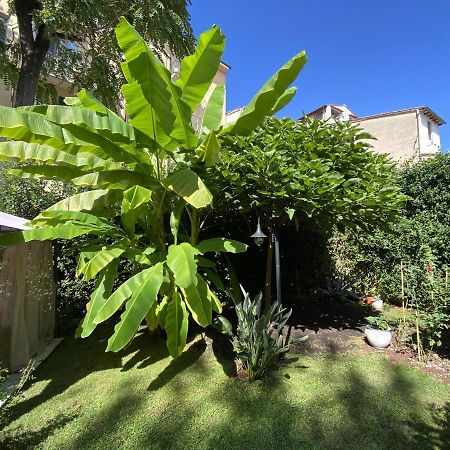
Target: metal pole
[(277, 265)]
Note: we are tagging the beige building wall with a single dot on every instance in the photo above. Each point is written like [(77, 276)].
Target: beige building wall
[(395, 135)]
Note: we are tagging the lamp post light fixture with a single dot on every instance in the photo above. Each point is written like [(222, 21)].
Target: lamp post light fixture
[(258, 236)]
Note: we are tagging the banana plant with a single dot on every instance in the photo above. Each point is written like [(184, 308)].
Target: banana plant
[(142, 197)]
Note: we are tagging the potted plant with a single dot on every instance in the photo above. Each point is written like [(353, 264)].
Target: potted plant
[(378, 332)]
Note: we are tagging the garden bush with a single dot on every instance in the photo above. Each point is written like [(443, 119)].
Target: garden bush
[(418, 245)]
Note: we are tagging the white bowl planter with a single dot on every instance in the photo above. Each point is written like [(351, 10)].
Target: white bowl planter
[(378, 338)]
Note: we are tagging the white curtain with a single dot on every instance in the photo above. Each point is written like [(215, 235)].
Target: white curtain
[(27, 301)]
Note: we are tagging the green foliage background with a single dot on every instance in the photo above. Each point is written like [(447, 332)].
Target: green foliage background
[(420, 240)]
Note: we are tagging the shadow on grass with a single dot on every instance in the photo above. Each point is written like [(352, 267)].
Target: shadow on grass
[(328, 402), (176, 366), (30, 438), (437, 434)]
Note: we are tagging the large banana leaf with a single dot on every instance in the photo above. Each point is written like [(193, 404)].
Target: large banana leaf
[(103, 288), (30, 127), (110, 125), (199, 69), (47, 217), (284, 99), (181, 261), (91, 263), (197, 299), (188, 185), (113, 179), (265, 100), (18, 151), (137, 308), (86, 100), (57, 173), (66, 231), (154, 103), (214, 111), (176, 325), (121, 295), (89, 201)]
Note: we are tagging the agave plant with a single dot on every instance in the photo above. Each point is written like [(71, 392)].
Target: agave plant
[(258, 340), (142, 197)]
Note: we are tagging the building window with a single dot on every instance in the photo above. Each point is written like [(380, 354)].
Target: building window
[(430, 130)]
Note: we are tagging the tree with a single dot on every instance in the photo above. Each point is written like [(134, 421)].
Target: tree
[(136, 205), (49, 31), (305, 171)]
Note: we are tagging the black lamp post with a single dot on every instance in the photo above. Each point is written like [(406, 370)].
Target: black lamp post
[(258, 236)]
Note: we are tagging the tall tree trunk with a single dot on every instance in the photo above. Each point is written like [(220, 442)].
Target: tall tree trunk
[(34, 45), (269, 264)]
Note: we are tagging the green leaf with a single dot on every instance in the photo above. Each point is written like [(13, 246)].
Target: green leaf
[(221, 245), (175, 218), (176, 325), (215, 302), (57, 173), (152, 317), (223, 325), (198, 299), (110, 126), (88, 201), (137, 308), (114, 179), (208, 151), (199, 69), (188, 185), (265, 100), (162, 312), (103, 288), (87, 100), (134, 200), (66, 231), (51, 218), (91, 264), (121, 294), (290, 212), (30, 127), (214, 111), (18, 151), (153, 102), (181, 261), (284, 99)]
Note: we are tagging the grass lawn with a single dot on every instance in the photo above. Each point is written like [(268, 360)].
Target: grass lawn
[(82, 398)]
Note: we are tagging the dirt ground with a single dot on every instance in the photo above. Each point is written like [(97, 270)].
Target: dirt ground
[(334, 326)]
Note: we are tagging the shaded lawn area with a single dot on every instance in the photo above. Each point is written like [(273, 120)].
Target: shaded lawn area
[(82, 398)]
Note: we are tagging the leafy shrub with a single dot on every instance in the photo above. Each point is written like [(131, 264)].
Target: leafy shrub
[(259, 334), (418, 245), (378, 322)]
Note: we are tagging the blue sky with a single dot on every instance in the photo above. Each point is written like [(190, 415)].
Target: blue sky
[(373, 56)]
